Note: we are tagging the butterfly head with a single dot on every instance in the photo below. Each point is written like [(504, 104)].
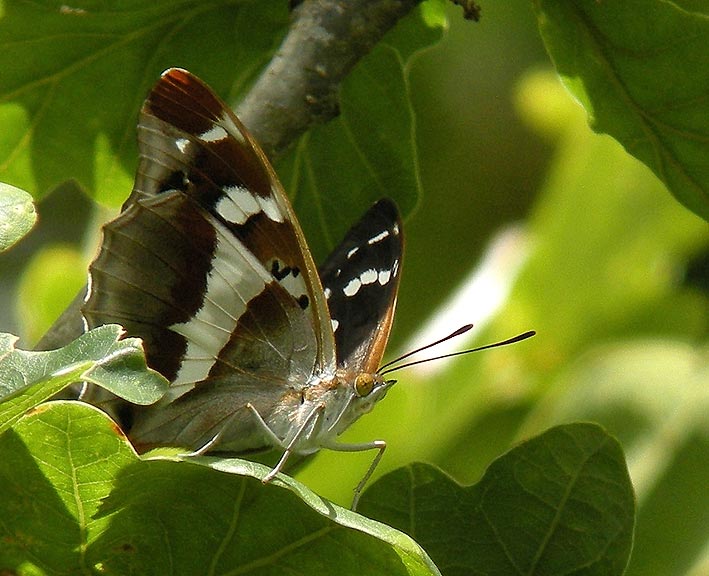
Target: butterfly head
[(369, 389), (365, 385), (357, 394)]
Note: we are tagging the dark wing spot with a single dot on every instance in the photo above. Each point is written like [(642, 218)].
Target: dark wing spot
[(175, 181), (279, 273), (303, 301)]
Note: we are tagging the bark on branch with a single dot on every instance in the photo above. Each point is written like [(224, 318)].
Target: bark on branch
[(299, 87)]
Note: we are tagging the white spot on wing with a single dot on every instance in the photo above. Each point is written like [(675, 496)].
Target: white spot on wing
[(335, 324), (295, 285), (270, 207), (247, 204), (327, 293), (183, 145), (230, 210), (230, 127), (368, 277), (379, 237), (352, 287), (89, 288), (395, 268), (214, 134), (238, 205), (246, 200), (352, 252)]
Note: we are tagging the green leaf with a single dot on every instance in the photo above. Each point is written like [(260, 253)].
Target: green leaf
[(654, 394), (560, 503), (66, 88), (369, 151), (55, 467), (641, 70), (70, 110), (97, 357), (80, 500), (409, 552), (50, 280), (17, 215), (603, 216)]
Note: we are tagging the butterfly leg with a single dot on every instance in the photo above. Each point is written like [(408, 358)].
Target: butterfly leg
[(202, 450), (288, 449), (374, 445), (265, 428)]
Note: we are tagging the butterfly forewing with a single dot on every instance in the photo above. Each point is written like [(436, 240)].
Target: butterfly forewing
[(361, 281)]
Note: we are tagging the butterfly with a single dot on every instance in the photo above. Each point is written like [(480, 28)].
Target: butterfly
[(208, 264)]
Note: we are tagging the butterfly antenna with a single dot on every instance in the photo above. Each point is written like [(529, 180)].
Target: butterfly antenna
[(462, 330), (458, 332)]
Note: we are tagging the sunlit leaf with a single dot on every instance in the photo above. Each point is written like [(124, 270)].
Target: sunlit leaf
[(79, 497), (17, 215), (641, 70), (70, 110), (97, 357), (49, 281), (654, 394)]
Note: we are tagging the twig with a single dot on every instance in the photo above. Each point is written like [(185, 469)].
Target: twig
[(299, 86), (471, 10)]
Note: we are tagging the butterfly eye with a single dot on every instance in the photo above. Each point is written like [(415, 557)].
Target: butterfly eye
[(363, 385)]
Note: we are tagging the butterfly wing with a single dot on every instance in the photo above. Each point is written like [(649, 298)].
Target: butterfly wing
[(207, 262), (361, 282)]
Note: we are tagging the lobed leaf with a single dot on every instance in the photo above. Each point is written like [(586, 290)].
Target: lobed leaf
[(560, 503), (77, 499), (85, 71), (99, 357)]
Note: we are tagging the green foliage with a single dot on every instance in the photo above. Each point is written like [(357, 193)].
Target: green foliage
[(559, 503), (86, 70), (621, 338), (49, 281), (17, 215), (115, 513), (641, 70), (372, 142), (96, 357)]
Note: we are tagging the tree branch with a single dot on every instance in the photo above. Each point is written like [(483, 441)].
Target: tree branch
[(296, 90), (299, 87)]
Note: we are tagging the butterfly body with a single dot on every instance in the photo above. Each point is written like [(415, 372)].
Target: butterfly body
[(208, 264), (317, 410)]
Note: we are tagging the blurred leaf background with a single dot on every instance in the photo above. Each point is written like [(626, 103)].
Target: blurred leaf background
[(598, 257)]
